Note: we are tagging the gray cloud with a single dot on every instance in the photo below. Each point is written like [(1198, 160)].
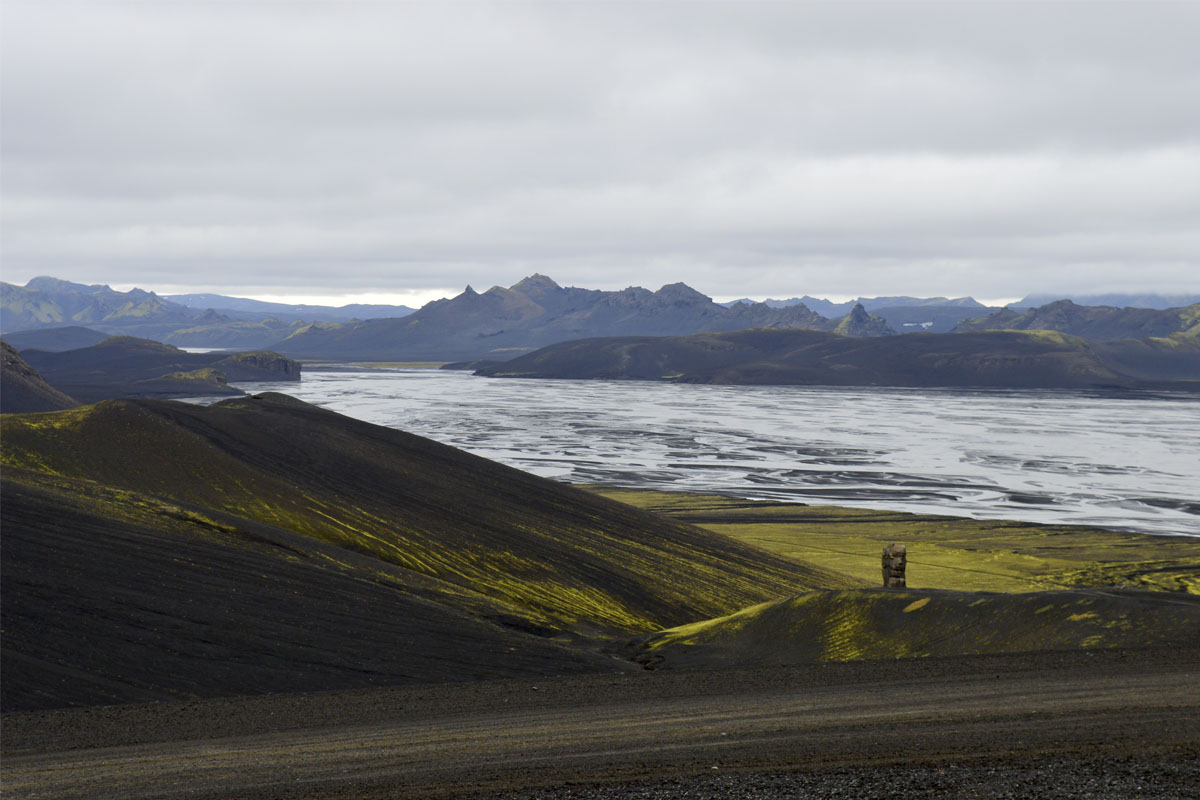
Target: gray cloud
[(744, 148)]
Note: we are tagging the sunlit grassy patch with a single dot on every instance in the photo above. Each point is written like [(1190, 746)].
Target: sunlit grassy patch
[(943, 552), (880, 623)]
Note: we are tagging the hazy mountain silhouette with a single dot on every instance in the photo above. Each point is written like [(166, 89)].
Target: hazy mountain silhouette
[(1117, 300)]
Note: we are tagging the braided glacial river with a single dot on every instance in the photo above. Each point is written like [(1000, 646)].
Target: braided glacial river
[(1126, 462)]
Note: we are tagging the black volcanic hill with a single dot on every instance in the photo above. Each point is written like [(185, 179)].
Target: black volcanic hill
[(123, 366), (1092, 322), (23, 390), (501, 323), (1017, 359), (156, 549)]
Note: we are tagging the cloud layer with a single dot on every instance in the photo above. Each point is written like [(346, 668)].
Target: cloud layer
[(745, 148)]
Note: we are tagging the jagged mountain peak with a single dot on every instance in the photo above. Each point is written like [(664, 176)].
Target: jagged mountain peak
[(536, 281), (681, 291), (860, 323)]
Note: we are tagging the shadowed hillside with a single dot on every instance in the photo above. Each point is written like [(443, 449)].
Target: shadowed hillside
[(23, 389), (124, 366), (199, 537), (55, 340), (1016, 359), (877, 623)]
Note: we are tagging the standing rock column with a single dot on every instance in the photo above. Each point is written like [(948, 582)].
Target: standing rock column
[(895, 559)]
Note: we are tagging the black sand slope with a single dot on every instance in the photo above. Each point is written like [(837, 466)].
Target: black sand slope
[(100, 609), (1003, 359), (154, 548), (888, 624)]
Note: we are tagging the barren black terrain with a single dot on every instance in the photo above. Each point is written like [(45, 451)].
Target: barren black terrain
[(1102, 724)]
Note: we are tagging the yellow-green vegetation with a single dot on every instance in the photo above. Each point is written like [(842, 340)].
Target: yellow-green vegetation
[(943, 552), (563, 558), (205, 375), (880, 623), (1055, 337)]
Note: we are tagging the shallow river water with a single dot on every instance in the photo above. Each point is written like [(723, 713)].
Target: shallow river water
[(1121, 462)]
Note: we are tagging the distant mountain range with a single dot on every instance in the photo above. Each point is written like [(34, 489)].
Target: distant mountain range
[(504, 322), (1008, 359), (248, 309), (1091, 322), (1144, 300), (827, 308), (904, 314), (196, 320)]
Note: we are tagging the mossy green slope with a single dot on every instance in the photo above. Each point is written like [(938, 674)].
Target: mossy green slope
[(565, 556), (943, 552), (880, 623)]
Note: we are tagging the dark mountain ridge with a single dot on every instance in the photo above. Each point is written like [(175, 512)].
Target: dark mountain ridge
[(503, 322), (1092, 322), (1013, 359)]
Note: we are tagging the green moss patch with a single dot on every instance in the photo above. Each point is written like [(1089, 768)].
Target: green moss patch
[(882, 623), (943, 552)]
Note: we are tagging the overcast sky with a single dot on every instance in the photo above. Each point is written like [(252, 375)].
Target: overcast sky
[(747, 149)]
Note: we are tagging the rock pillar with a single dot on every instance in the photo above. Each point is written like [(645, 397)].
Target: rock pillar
[(895, 559)]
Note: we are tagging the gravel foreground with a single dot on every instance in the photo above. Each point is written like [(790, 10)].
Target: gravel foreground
[(1093, 724), (1171, 777)]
